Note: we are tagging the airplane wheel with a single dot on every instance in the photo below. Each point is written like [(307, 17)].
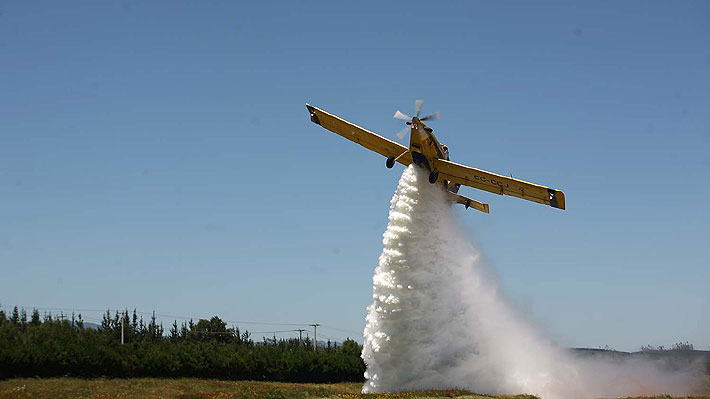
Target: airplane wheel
[(390, 162), (433, 177)]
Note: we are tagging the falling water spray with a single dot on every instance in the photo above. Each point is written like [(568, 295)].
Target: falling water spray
[(438, 321)]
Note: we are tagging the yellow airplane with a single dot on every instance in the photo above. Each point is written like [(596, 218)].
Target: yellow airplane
[(426, 151)]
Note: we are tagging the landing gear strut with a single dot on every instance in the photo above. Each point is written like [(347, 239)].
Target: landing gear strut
[(433, 177), (390, 162)]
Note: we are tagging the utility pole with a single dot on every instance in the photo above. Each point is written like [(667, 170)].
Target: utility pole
[(122, 317), (300, 335), (315, 336)]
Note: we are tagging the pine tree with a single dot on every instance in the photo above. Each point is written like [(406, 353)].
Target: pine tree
[(126, 325), (191, 328), (174, 333), (142, 331), (153, 328), (106, 322), (116, 324), (237, 334), (15, 318), (134, 323), (239, 358), (184, 332)]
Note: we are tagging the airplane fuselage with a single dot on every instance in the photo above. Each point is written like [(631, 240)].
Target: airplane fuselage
[(425, 147), (423, 144)]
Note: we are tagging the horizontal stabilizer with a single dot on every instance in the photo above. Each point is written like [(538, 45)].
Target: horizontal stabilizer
[(468, 202)]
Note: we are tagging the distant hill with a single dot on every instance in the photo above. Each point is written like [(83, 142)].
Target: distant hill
[(670, 359), (91, 326)]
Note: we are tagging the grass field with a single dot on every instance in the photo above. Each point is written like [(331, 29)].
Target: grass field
[(190, 388)]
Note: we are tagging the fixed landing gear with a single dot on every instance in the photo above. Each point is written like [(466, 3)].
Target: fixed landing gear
[(390, 162), (433, 176)]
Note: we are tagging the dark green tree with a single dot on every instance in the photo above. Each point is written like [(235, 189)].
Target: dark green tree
[(106, 322), (15, 318), (56, 347), (134, 323), (213, 329), (174, 332), (350, 347)]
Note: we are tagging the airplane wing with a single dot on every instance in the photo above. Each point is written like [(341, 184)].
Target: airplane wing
[(498, 184), (365, 138)]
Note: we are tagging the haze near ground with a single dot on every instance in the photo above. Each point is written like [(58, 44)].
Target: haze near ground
[(439, 320)]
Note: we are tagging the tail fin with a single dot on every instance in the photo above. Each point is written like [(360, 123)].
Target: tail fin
[(468, 202)]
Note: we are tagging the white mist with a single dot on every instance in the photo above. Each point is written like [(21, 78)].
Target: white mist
[(438, 321)]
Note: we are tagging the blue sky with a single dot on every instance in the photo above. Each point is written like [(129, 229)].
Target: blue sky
[(159, 156)]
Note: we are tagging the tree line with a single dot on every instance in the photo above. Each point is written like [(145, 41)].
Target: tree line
[(47, 346)]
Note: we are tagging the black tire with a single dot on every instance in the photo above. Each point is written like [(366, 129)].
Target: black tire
[(433, 177), (390, 162)]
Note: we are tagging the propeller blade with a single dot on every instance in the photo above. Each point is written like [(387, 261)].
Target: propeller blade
[(418, 107), (432, 116), (403, 132), (404, 117)]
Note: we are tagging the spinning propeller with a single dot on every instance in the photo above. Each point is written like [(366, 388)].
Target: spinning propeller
[(410, 120)]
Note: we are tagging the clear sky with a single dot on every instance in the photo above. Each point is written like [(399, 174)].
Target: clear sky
[(158, 156)]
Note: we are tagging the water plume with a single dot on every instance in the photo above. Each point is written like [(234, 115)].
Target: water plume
[(438, 320)]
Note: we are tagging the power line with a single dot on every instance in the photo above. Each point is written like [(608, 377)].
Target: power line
[(300, 334), (272, 332), (179, 317), (341, 330), (328, 337), (261, 323)]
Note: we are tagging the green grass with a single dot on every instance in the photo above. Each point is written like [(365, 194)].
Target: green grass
[(192, 388), (154, 388)]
